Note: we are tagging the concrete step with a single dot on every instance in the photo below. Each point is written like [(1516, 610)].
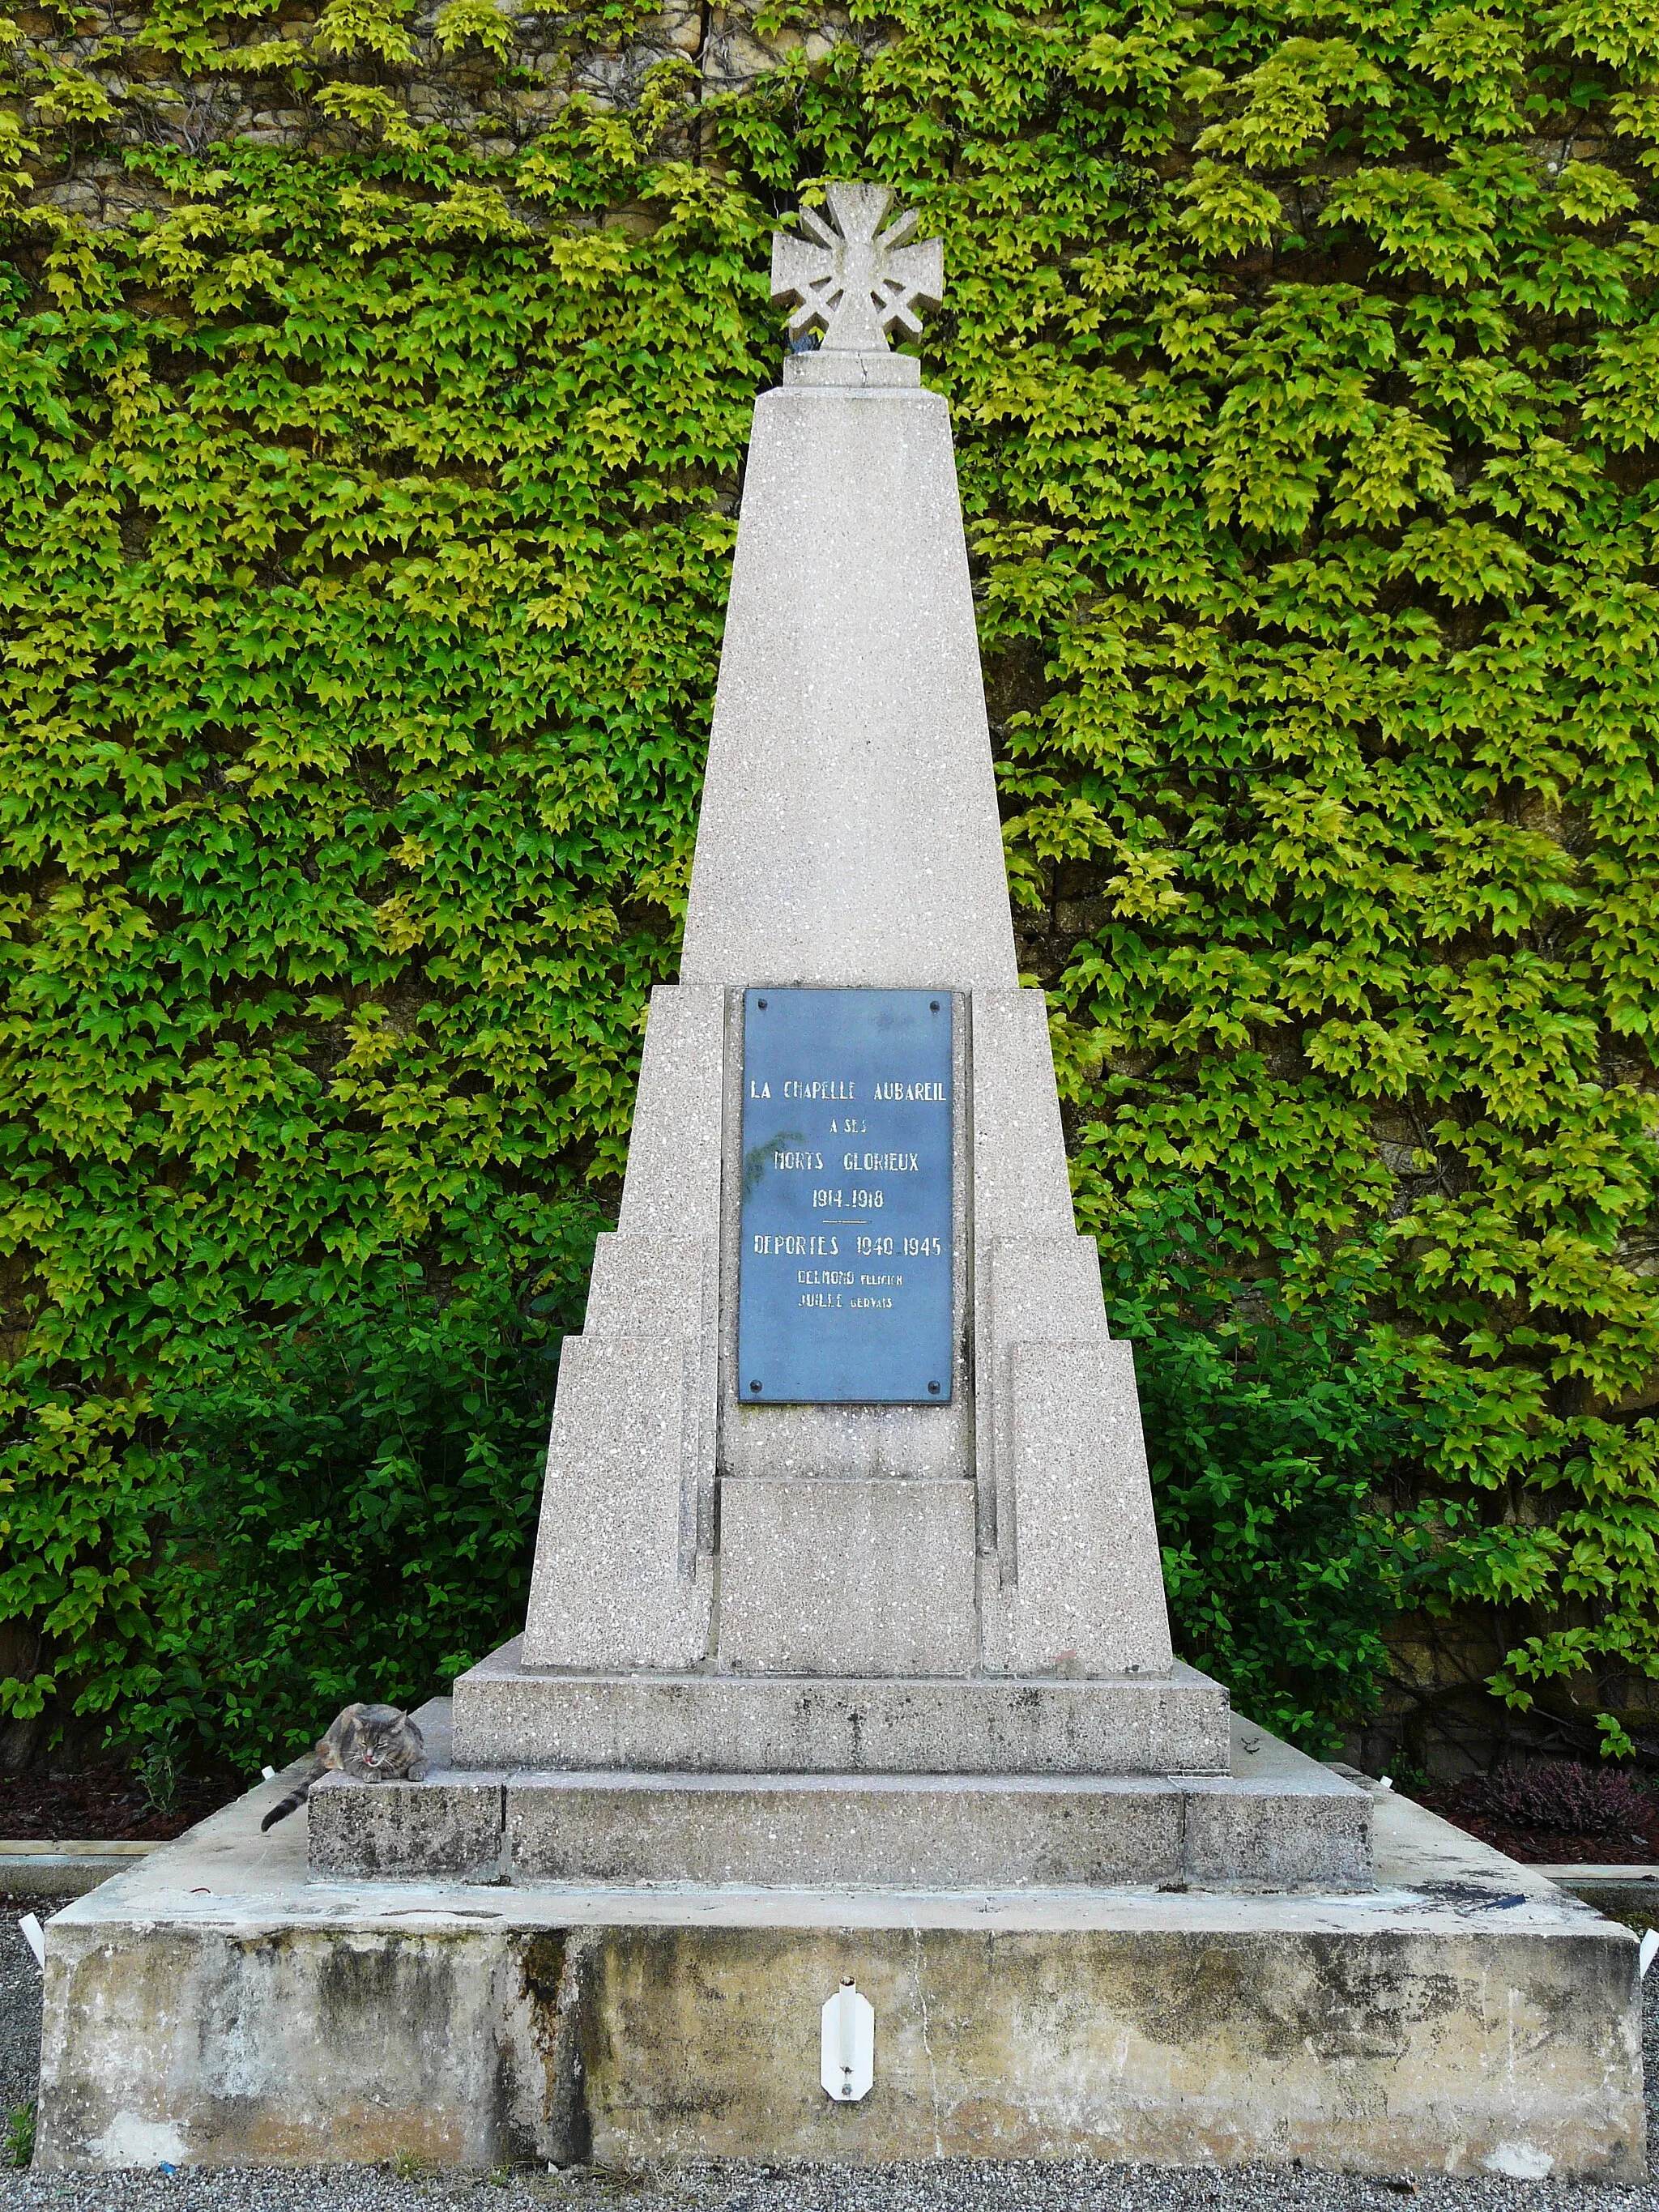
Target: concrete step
[(508, 1716), (1280, 1822), (58, 1868)]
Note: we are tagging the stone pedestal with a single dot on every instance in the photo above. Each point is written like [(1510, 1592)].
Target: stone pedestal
[(1045, 1801), (510, 1715)]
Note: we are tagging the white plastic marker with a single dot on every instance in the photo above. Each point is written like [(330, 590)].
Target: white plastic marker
[(267, 1774), (1649, 1952), (1386, 1781), (35, 1937), (847, 2045)]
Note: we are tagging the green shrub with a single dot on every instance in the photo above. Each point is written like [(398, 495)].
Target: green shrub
[(1269, 1428), (353, 1501), (19, 2135)]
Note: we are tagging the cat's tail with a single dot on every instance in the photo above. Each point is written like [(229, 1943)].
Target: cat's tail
[(292, 1803)]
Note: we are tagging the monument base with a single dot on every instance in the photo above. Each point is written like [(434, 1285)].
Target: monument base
[(1275, 1820), (215, 2006)]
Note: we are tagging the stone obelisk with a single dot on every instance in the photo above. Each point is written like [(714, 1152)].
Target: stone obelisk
[(846, 1489), (849, 838)]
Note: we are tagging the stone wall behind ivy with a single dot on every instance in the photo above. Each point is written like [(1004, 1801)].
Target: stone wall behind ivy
[(205, 81)]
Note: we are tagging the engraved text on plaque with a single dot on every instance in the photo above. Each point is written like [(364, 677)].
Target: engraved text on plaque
[(845, 1259)]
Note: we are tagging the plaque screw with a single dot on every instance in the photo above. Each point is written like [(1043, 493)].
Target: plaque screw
[(934, 1387), (761, 1003), (756, 1386), (933, 1005)]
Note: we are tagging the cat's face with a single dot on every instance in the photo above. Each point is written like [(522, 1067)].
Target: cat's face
[(383, 1742)]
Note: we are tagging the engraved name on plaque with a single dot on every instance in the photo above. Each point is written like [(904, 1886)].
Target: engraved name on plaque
[(844, 1258)]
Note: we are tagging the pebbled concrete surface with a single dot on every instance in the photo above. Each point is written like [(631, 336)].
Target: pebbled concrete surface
[(947, 2187)]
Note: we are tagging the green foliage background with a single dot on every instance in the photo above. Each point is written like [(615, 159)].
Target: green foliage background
[(348, 1500), (367, 518)]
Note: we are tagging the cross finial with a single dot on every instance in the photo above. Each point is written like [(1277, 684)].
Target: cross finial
[(855, 285)]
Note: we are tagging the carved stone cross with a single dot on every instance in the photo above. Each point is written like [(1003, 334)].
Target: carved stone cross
[(854, 285)]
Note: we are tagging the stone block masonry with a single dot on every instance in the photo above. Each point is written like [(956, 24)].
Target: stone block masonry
[(1006, 1533), (799, 1594), (491, 108), (510, 1715)]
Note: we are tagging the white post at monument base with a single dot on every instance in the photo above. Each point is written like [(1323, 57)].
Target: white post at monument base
[(847, 2049)]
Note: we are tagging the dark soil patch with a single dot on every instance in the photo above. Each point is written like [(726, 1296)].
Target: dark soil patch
[(1467, 1804), (104, 1804)]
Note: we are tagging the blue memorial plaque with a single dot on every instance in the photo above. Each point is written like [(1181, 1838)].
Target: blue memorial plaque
[(844, 1267)]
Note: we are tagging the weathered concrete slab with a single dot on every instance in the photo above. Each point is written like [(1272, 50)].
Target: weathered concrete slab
[(507, 1715), (63, 1869), (1280, 1821), (1630, 1893), (1276, 1821), (214, 2006)]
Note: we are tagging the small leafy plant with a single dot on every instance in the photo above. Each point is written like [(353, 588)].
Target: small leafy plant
[(1269, 1422), (19, 2135), (159, 1771), (353, 1505)]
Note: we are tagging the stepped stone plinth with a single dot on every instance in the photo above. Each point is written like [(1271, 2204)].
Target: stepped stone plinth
[(221, 2004), (1262, 1815), (508, 1715)]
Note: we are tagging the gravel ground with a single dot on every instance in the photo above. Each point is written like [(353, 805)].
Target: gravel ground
[(20, 2005), (943, 2187)]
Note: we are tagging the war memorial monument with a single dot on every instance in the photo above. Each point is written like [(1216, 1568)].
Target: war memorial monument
[(843, 1797)]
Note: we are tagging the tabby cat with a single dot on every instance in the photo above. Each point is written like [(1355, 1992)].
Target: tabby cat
[(371, 1743)]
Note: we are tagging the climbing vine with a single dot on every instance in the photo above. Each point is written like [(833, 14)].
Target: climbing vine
[(367, 512)]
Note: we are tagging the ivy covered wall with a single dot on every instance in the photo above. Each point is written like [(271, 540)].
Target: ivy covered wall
[(373, 387)]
